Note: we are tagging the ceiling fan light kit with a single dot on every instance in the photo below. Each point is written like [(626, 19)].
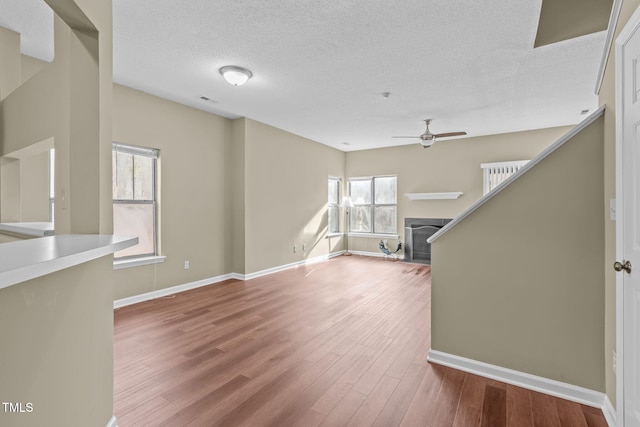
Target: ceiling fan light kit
[(427, 139), (235, 75)]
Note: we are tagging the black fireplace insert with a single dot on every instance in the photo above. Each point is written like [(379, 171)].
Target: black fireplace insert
[(416, 233)]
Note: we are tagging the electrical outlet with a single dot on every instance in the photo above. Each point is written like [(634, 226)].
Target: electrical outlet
[(615, 361), (187, 264), (295, 249)]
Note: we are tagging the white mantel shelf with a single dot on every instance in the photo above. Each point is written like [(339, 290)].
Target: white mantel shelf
[(434, 196), (28, 259)]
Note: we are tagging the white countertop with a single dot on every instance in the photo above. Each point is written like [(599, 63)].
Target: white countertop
[(27, 259), (30, 229)]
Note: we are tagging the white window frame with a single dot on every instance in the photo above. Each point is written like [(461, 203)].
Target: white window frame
[(336, 205), (372, 205), (146, 258)]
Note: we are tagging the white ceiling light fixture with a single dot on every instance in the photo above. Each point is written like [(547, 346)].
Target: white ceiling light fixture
[(236, 76)]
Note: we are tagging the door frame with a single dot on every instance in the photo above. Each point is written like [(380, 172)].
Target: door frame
[(627, 32)]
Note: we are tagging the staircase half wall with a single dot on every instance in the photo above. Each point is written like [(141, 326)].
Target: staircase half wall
[(518, 278)]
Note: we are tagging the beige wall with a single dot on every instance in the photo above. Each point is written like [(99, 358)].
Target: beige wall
[(24, 184), (286, 197), (519, 282), (10, 71), (30, 67), (452, 165), (10, 190), (192, 188), (607, 98), (34, 188), (562, 20), (57, 347), (235, 195)]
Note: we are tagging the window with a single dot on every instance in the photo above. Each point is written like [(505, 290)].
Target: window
[(134, 198), (374, 208), (333, 206)]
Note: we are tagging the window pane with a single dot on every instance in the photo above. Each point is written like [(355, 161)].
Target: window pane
[(334, 219), (360, 192), (385, 220), (134, 220), (143, 177), (333, 191), (385, 188), (123, 176), (360, 219)]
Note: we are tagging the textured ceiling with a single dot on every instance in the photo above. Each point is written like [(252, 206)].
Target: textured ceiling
[(320, 67)]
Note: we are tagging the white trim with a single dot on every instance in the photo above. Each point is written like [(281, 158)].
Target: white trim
[(609, 412), (553, 147), (112, 422), (135, 150), (611, 29), (288, 266), (360, 178), (119, 264), (434, 196), (237, 276), (521, 379), (375, 235), (172, 290), (627, 32), (619, 232), (377, 254), (510, 163)]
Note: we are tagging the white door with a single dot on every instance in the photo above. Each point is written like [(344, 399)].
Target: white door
[(628, 224)]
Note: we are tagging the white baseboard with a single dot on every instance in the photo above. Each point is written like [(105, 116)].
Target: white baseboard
[(522, 379), (212, 280), (377, 254), (172, 290), (287, 266), (609, 412), (112, 422)]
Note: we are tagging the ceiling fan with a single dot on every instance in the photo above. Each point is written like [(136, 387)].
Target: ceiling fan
[(427, 138)]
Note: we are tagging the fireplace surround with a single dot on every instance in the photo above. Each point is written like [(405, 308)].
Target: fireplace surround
[(416, 233)]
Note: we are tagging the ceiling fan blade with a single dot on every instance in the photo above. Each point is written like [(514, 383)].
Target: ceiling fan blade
[(446, 135), (405, 137)]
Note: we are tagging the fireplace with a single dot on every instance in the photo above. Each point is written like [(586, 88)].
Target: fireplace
[(416, 233)]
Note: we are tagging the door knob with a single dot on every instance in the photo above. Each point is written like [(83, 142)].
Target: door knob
[(625, 265)]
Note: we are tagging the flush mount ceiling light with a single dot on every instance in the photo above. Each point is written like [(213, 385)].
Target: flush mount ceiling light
[(236, 76)]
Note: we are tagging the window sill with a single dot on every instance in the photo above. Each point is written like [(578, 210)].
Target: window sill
[(136, 262), (374, 235)]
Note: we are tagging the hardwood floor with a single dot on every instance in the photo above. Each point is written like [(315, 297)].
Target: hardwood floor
[(338, 343)]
